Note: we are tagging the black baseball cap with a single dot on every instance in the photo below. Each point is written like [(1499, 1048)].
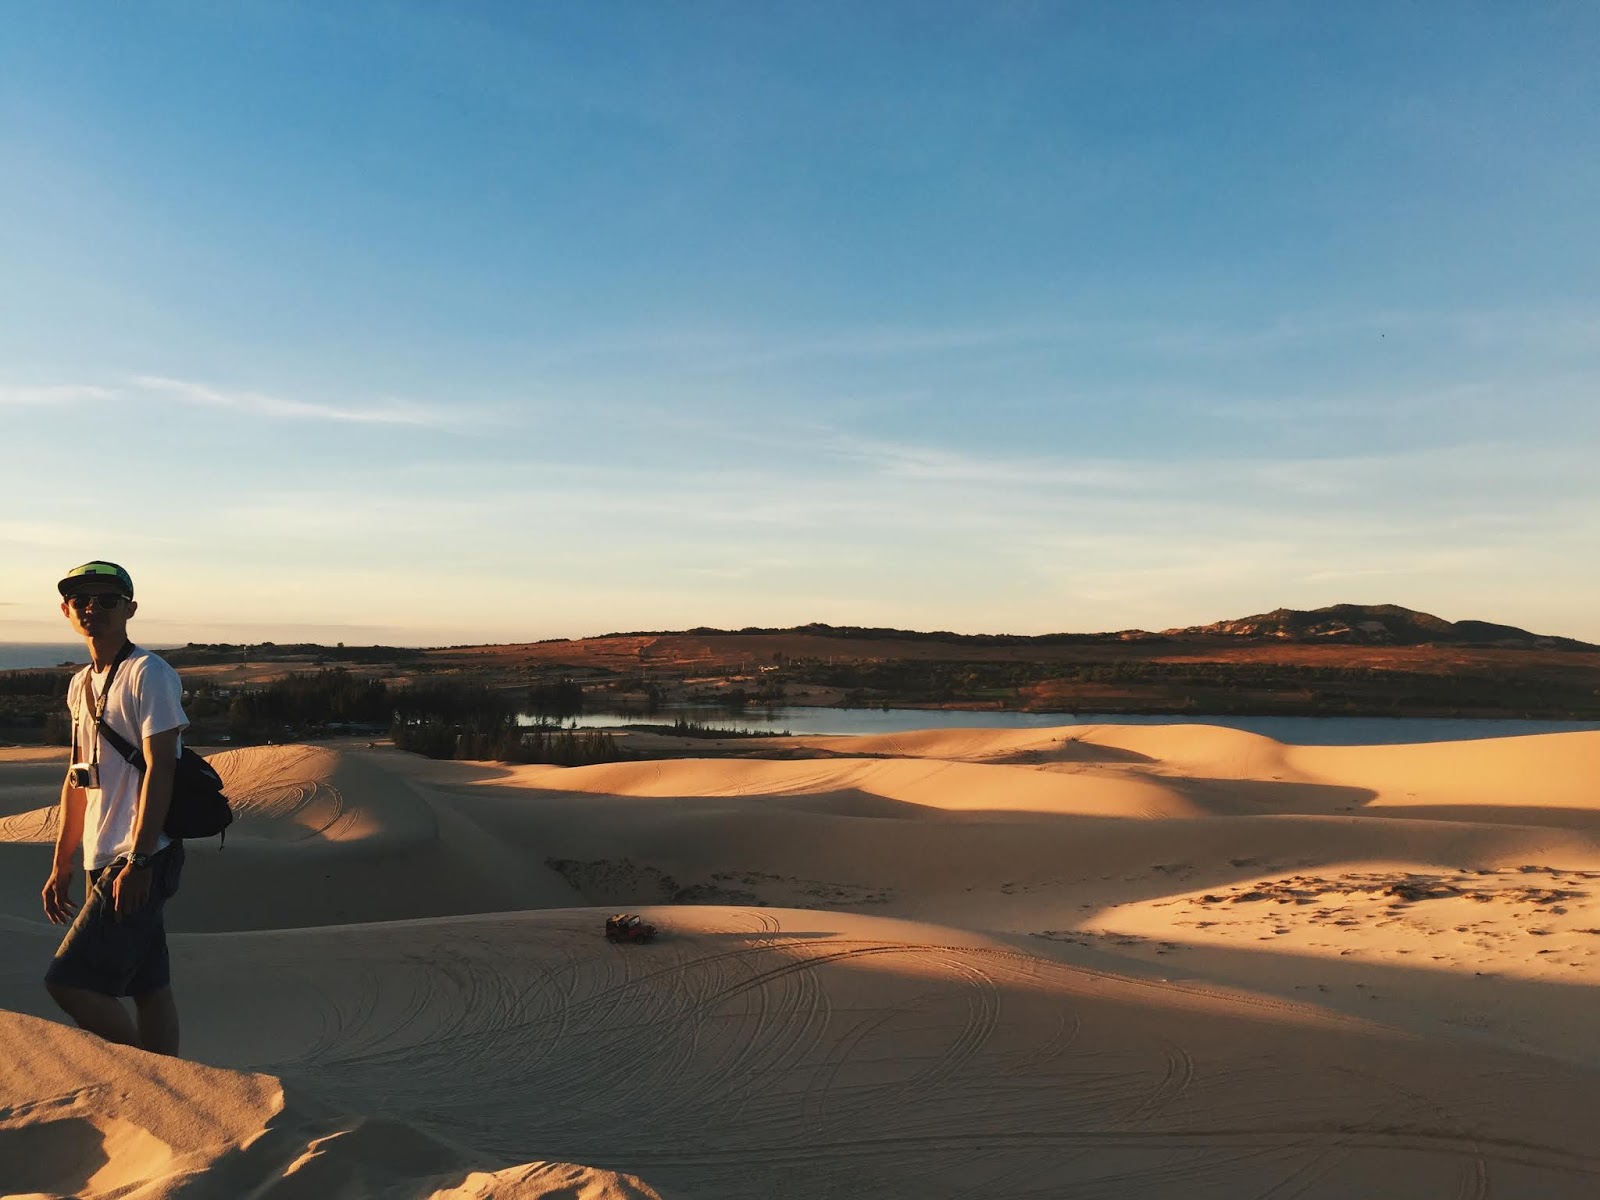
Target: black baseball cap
[(107, 572)]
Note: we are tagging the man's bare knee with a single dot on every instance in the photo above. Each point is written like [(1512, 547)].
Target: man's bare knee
[(69, 999), (99, 1014)]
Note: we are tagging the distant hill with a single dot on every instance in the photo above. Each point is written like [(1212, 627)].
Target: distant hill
[(1375, 625), (1338, 624), (1348, 624)]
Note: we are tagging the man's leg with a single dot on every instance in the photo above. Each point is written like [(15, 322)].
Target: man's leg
[(104, 956), (158, 1021), (102, 1015)]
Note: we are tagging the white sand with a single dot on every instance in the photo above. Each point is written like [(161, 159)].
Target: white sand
[(1106, 961)]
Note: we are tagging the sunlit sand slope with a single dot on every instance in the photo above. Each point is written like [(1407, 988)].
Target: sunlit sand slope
[(1096, 961)]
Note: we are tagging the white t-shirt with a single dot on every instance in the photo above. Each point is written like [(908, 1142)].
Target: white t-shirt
[(146, 698)]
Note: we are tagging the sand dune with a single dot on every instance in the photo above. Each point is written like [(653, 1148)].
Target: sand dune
[(1098, 961), (114, 1121)]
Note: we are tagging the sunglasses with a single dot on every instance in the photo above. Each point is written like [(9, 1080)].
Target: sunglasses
[(102, 600)]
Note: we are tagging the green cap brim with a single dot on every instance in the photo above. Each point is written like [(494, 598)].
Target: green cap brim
[(96, 572)]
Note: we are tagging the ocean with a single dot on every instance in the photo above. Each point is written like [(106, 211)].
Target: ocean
[(18, 656)]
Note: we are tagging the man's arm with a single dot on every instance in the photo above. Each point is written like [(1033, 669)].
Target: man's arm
[(132, 886), (58, 904), (155, 789)]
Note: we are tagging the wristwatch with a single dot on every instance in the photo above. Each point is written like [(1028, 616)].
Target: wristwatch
[(138, 861)]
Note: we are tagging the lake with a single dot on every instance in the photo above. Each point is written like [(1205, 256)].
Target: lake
[(1299, 731)]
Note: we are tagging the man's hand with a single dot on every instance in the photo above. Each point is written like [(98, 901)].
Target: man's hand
[(130, 890), (58, 903)]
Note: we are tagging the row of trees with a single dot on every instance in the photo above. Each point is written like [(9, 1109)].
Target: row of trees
[(441, 718), (35, 683), (505, 742), (313, 699), (316, 699), (1206, 686), (33, 704)]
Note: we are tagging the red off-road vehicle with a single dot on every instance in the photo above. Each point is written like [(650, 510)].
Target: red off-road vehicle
[(629, 927)]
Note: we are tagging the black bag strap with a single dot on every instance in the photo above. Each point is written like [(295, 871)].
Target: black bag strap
[(122, 746)]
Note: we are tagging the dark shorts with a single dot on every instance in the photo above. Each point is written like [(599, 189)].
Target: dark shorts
[(120, 957)]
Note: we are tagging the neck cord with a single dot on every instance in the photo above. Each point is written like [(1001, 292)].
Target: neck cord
[(98, 703)]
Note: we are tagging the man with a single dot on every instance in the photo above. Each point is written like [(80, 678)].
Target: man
[(117, 945)]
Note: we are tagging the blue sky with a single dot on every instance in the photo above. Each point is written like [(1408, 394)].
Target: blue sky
[(487, 322)]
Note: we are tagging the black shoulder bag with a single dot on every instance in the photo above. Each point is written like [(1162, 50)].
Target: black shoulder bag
[(198, 809)]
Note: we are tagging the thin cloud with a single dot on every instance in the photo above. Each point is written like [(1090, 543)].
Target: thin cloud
[(935, 464), (262, 404), (50, 394), (732, 350)]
